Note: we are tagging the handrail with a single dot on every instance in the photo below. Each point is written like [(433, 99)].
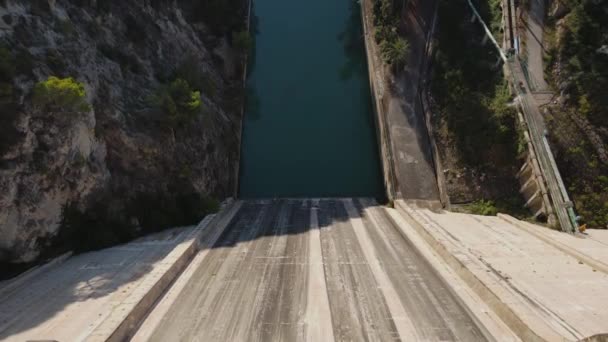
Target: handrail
[(488, 32), (536, 127)]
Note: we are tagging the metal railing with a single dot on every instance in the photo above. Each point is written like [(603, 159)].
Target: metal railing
[(536, 127)]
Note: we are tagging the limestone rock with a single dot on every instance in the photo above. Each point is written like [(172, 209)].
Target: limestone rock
[(122, 51)]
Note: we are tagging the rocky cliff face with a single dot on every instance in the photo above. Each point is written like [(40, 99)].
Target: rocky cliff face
[(119, 162)]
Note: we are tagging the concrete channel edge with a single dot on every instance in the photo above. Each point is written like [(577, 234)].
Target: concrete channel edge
[(164, 300), (130, 322), (487, 295), (11, 284), (492, 327), (377, 89), (596, 264)]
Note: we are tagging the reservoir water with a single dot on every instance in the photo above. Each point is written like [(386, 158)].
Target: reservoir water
[(308, 129)]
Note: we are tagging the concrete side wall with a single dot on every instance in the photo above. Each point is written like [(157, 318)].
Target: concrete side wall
[(428, 114), (237, 171), (528, 275), (409, 164), (377, 88)]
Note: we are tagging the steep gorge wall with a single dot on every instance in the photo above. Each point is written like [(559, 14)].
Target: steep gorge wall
[(576, 68), (117, 163)]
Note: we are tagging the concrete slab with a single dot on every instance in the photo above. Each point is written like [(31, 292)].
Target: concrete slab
[(590, 247), (94, 296), (540, 291), (410, 138), (493, 327), (323, 270)]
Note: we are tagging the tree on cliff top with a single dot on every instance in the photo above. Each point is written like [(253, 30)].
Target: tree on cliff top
[(61, 94), (242, 42), (178, 102)]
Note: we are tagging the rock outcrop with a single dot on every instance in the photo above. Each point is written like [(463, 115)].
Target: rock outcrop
[(119, 156)]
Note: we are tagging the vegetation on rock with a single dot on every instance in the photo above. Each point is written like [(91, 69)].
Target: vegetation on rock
[(98, 227), (242, 42), (8, 69), (393, 47), (583, 50), (116, 154), (190, 71), (7, 65), (179, 102), (395, 51), (476, 127), (483, 207), (61, 94), (577, 68)]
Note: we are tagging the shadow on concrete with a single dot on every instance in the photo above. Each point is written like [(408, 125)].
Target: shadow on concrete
[(103, 273), (29, 303), (253, 276)]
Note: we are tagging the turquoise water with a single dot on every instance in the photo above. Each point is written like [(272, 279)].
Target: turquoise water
[(308, 127)]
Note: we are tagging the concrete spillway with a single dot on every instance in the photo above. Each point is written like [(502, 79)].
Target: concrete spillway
[(294, 270), (322, 270)]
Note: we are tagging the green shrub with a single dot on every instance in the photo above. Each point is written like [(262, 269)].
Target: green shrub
[(156, 211), (190, 71), (393, 48), (99, 227), (482, 207), (395, 52), (585, 31), (472, 97), (6, 92), (61, 94), (385, 33), (386, 12), (7, 65), (179, 102), (242, 41), (92, 229)]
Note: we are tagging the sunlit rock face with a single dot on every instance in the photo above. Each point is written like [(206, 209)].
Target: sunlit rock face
[(122, 150)]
